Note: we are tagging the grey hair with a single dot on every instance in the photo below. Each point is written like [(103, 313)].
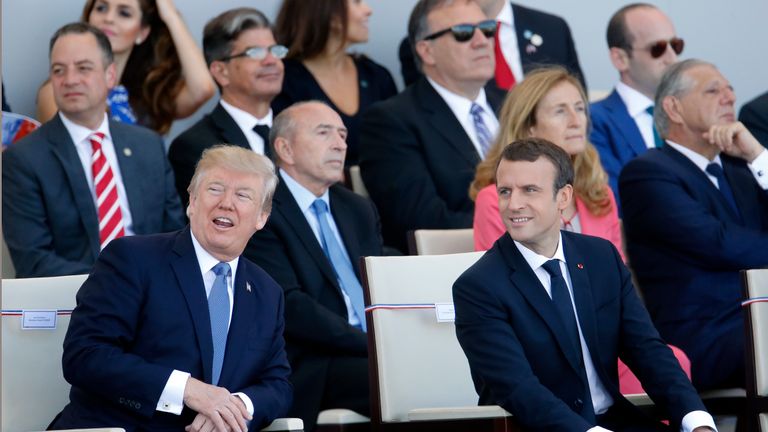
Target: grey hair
[(675, 83), (417, 24), (221, 31), (284, 124)]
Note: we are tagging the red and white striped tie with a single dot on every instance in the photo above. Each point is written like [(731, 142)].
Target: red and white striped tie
[(107, 204)]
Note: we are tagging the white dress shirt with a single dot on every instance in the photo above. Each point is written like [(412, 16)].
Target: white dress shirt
[(637, 104), (461, 106), (304, 198), (172, 398), (507, 37), (80, 135), (246, 122), (759, 166)]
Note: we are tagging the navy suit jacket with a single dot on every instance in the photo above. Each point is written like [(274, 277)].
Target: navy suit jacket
[(50, 222), (417, 163), (143, 312), (616, 137), (687, 246), (754, 115), (317, 326), (217, 127), (514, 340)]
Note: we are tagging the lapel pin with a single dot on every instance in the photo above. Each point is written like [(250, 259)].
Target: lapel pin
[(530, 49), (127, 152), (537, 40), (248, 286), (580, 266)]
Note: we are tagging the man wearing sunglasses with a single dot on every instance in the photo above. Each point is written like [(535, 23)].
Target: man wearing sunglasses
[(421, 146), (245, 62), (642, 43)]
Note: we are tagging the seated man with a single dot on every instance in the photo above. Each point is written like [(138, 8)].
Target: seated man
[(544, 315), (178, 329), (81, 180), (311, 246), (422, 146), (695, 214)]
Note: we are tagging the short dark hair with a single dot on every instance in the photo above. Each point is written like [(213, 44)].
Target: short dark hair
[(618, 35), (417, 23), (225, 28), (83, 28), (305, 26), (531, 149)]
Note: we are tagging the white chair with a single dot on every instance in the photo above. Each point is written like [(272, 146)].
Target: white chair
[(756, 316), (356, 179), (89, 430), (440, 241), (420, 375)]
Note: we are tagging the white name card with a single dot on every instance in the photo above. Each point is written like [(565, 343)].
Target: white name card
[(445, 312), (38, 319)]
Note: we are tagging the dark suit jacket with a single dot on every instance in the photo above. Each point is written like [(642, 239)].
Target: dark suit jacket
[(418, 162), (754, 115), (511, 332), (50, 221), (217, 127), (558, 47), (616, 137), (687, 246), (317, 326), (143, 312)]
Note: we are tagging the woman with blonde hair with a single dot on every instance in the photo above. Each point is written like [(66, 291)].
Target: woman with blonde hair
[(551, 104)]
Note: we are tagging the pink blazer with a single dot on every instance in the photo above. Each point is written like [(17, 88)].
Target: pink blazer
[(488, 226)]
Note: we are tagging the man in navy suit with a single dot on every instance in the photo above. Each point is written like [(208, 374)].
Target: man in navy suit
[(178, 330), (544, 315), (642, 43), (312, 253), (695, 213), (81, 179), (245, 62), (422, 146)]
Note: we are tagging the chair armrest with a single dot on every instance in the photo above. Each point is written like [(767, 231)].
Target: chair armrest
[(340, 416), (639, 399), (285, 424), (457, 413)]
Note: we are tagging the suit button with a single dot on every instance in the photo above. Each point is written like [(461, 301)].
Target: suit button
[(578, 404)]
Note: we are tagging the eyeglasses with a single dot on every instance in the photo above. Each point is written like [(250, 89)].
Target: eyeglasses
[(658, 48), (464, 32), (260, 53)]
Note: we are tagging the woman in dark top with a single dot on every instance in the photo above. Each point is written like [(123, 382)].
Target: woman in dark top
[(318, 67)]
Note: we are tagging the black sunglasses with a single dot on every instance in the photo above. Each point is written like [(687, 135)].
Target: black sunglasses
[(260, 53), (464, 32), (658, 48)]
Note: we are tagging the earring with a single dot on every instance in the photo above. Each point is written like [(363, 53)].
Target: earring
[(138, 41)]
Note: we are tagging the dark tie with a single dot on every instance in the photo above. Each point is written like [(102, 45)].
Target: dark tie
[(657, 141), (716, 171), (218, 307), (262, 130)]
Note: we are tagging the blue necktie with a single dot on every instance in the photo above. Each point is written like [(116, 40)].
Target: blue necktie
[(717, 171), (657, 141), (483, 134), (340, 262), (218, 308)]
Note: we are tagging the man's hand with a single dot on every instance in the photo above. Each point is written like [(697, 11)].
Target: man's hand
[(735, 140), (218, 410)]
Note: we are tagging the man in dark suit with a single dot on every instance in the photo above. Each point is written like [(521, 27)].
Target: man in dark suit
[(528, 39), (311, 246), (695, 213), (245, 62), (754, 115), (178, 330), (82, 180), (642, 43), (422, 146), (544, 315)]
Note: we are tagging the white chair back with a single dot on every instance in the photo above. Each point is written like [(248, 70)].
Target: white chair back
[(441, 241), (33, 386), (356, 179), (756, 283)]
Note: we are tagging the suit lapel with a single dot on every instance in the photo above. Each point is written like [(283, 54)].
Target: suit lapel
[(64, 150), (625, 124), (231, 132), (582, 293), (129, 159), (187, 270), (242, 322)]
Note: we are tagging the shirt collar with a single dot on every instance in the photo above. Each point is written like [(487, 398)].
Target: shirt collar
[(635, 101), (244, 119), (304, 198), (206, 261), (535, 260), (697, 159), (459, 105), (80, 133), (505, 15)]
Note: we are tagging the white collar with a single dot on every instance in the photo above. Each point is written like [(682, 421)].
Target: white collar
[(460, 105), (80, 133), (699, 160), (304, 198), (535, 260), (506, 16), (206, 261), (244, 119), (635, 101)]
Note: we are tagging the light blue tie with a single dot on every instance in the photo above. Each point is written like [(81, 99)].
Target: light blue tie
[(483, 134), (657, 141), (340, 262), (218, 307)]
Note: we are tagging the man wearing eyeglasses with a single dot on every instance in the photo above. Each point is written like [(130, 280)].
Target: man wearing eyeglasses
[(245, 62), (420, 148), (642, 43)]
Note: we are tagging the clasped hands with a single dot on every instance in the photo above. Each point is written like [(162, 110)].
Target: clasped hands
[(734, 140), (217, 409)]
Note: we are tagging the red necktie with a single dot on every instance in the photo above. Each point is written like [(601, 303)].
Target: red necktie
[(107, 204), (505, 79)]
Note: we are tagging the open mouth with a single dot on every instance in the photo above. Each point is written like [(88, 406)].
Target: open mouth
[(223, 222)]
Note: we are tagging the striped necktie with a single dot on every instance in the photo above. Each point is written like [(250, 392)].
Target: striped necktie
[(107, 204)]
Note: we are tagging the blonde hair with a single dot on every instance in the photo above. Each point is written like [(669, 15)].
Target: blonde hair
[(518, 116)]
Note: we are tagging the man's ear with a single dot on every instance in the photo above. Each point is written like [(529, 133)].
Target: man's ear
[(564, 197), (674, 109), (619, 59), (283, 150), (111, 75), (219, 72), (424, 51)]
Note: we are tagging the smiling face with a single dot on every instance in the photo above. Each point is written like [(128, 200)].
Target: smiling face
[(225, 211), (530, 207), (358, 12), (561, 117), (120, 20)]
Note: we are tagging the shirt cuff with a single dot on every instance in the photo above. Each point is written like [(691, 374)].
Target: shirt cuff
[(246, 400), (695, 419), (759, 168), (172, 398)]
